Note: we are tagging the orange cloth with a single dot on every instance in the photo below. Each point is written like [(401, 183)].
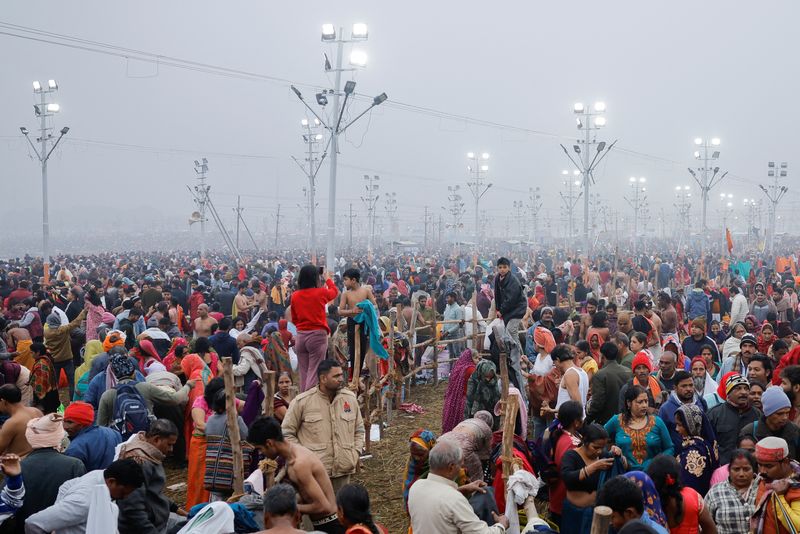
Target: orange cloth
[(543, 337), (195, 492), (24, 356)]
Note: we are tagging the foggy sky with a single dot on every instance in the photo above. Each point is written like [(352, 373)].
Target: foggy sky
[(668, 72)]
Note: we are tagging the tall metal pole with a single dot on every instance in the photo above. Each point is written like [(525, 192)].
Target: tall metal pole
[(45, 204), (774, 193), (238, 217), (425, 242), (331, 249), (586, 177), (277, 224)]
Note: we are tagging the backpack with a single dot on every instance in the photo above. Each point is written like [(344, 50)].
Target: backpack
[(130, 411)]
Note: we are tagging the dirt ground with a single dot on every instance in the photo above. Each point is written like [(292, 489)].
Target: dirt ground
[(383, 474)]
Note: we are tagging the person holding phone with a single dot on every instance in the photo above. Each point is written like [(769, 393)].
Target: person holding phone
[(309, 309), (581, 471)]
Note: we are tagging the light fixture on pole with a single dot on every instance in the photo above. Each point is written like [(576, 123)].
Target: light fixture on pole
[(391, 212), (535, 206), (455, 209), (637, 201), (706, 151), (589, 153), (478, 168), (775, 192), (44, 110), (335, 126), (570, 200), (310, 167), (683, 195), (753, 208)]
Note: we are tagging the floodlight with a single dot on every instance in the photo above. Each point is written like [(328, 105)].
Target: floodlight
[(297, 92), (600, 106), (316, 122), (715, 154), (697, 154), (783, 174), (484, 168), (380, 99), (318, 137), (565, 172), (23, 130), (784, 165), (715, 141), (52, 84), (771, 164), (359, 31), (632, 179), (37, 86), (577, 182), (576, 172), (358, 58), (304, 122), (53, 108), (64, 130), (471, 155), (349, 87), (579, 123), (576, 148), (770, 173), (578, 107), (601, 146), (322, 100), (600, 121), (642, 179), (328, 32), (698, 140), (485, 155), (677, 188)]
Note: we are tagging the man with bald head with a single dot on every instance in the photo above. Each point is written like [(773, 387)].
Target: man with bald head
[(204, 322)]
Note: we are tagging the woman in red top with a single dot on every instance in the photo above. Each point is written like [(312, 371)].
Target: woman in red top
[(684, 507), (308, 314), (563, 438)]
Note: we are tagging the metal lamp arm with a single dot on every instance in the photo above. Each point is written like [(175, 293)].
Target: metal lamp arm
[(33, 147)]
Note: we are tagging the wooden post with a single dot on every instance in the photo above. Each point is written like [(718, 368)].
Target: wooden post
[(357, 367), (601, 520), (233, 426), (389, 399), (435, 363), (475, 346), (367, 415), (498, 338), (268, 387), (510, 409)]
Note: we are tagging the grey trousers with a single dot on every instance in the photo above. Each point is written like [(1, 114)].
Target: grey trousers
[(511, 340)]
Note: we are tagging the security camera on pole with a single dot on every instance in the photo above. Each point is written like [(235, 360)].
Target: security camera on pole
[(44, 109), (335, 126), (589, 120)]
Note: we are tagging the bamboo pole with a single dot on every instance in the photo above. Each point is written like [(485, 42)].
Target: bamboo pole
[(435, 364), (601, 520), (475, 336), (268, 386), (367, 411), (357, 367), (389, 398), (510, 410), (233, 426)]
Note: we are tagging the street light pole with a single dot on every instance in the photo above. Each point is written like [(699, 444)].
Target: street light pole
[(535, 205), (588, 120), (709, 177), (43, 110), (636, 201), (335, 125), (775, 193), (370, 201), (476, 186), (570, 200)]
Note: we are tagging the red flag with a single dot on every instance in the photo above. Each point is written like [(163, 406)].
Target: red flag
[(729, 239)]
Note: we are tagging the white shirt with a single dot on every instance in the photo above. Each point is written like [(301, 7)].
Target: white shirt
[(583, 388), (437, 507)]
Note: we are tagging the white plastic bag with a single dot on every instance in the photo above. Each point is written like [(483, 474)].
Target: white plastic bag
[(293, 358), (102, 512), (214, 518)]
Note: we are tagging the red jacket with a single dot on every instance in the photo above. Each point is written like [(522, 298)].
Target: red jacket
[(195, 300), (308, 307)]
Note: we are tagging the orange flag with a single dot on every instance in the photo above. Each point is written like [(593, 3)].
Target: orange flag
[(729, 239)]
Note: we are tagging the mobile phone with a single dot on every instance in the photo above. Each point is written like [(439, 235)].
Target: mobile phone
[(321, 271)]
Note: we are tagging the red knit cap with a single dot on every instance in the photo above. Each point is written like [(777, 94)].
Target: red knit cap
[(642, 358), (80, 412), (698, 359), (721, 388)]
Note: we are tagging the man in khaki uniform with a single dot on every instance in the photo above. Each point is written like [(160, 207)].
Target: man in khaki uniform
[(326, 419)]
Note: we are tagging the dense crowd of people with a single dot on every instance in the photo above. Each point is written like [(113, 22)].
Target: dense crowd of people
[(664, 387)]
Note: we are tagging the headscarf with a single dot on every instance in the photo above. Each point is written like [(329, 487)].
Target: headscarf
[(53, 320), (414, 469), (93, 348), (45, 432), (543, 337), (692, 419), (756, 329), (145, 351), (114, 338), (195, 368), (652, 500), (455, 397), (121, 366), (485, 416), (108, 318)]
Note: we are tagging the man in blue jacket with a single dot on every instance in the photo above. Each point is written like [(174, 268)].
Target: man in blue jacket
[(697, 304), (93, 445)]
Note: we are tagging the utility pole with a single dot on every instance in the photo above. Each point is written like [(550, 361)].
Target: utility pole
[(570, 200), (310, 167), (636, 201), (478, 167), (351, 217), (707, 152), (534, 205), (238, 210), (425, 242), (775, 193), (518, 205), (43, 110), (440, 229), (335, 126), (455, 209), (391, 212), (370, 201), (589, 121), (753, 208), (201, 199), (726, 211), (277, 224), (683, 196)]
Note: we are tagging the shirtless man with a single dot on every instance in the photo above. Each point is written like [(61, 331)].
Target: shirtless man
[(348, 307), (280, 511), (669, 316), (12, 433), (586, 318), (304, 471), (242, 303), (204, 322)]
